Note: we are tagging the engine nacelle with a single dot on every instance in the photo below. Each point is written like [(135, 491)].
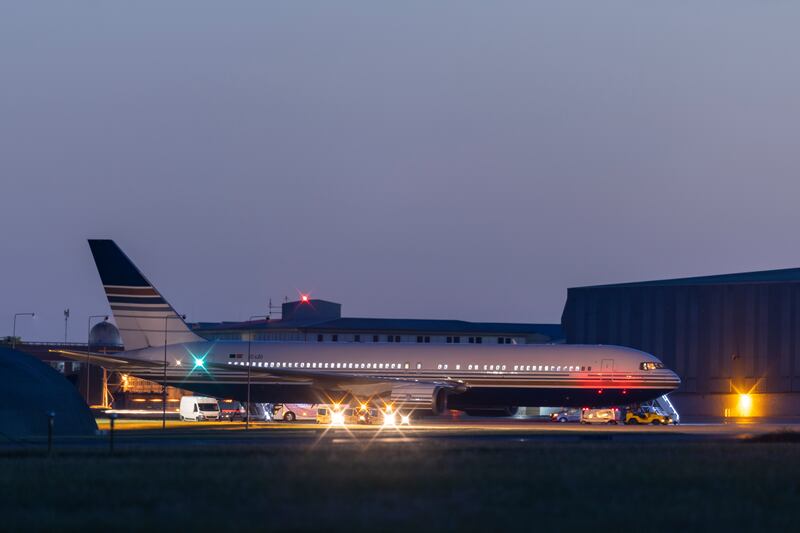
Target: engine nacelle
[(421, 396)]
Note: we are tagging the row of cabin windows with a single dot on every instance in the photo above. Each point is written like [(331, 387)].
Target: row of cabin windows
[(518, 368), (282, 364), (407, 366), (551, 368), (420, 339)]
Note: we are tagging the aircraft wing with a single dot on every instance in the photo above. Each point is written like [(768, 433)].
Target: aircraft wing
[(341, 379), (111, 362)]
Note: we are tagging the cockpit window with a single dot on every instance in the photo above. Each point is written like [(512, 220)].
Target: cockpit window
[(648, 365)]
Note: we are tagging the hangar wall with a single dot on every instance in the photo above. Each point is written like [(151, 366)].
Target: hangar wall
[(722, 334)]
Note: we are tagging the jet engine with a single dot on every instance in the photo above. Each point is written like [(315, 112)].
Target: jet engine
[(421, 396)]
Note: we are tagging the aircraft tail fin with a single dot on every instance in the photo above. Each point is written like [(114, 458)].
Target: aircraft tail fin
[(142, 315)]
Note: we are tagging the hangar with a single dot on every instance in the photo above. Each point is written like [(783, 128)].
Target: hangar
[(733, 339), (30, 391)]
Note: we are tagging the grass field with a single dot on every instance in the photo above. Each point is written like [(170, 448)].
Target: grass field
[(428, 485)]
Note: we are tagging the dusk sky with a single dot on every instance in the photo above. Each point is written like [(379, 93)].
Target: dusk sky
[(451, 159)]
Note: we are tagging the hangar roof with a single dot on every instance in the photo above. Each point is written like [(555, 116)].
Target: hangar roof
[(786, 275), (389, 325)]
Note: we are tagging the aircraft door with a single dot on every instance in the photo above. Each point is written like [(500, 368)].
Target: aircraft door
[(607, 365)]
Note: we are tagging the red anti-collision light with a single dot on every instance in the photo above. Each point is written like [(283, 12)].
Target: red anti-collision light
[(304, 298)]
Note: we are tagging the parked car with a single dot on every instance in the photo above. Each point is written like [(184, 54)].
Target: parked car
[(231, 410), (235, 411), (609, 415), (199, 408), (289, 412), (572, 414)]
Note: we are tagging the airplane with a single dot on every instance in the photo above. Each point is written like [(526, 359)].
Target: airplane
[(480, 379)]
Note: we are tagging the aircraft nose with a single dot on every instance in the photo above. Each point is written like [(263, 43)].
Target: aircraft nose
[(675, 377)]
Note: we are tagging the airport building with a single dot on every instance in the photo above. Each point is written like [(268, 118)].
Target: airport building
[(312, 320), (733, 339)]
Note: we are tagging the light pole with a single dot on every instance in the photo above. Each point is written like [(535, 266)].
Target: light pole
[(14, 330), (249, 343), (164, 385), (88, 350), (66, 323)]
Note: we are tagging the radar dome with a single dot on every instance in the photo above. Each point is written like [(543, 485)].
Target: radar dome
[(104, 334)]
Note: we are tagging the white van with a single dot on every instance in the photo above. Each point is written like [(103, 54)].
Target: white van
[(199, 408)]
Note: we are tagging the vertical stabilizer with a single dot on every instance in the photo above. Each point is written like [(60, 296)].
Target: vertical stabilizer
[(141, 313)]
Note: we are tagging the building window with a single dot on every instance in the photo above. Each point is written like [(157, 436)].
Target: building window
[(389, 338), (375, 338), (419, 338), (319, 338), (397, 338), (500, 340), (335, 338), (449, 339), (471, 340), (357, 338), (427, 339), (456, 339), (508, 340), (478, 340)]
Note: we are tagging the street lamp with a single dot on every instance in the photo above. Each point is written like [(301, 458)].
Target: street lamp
[(88, 350), (164, 385), (249, 343), (14, 330)]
